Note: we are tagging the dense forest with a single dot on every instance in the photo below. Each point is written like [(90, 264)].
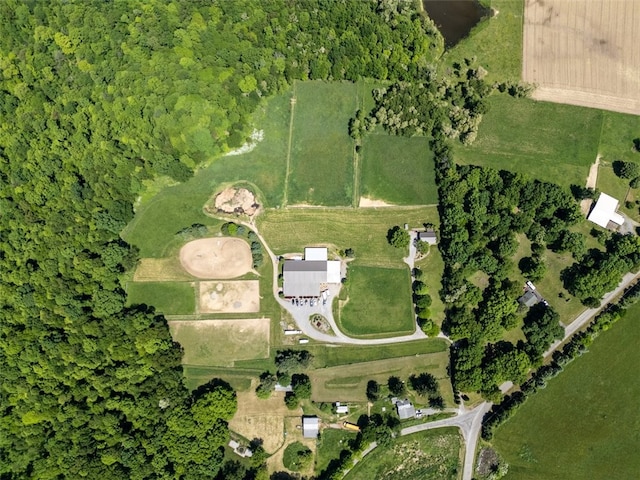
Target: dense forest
[(96, 97)]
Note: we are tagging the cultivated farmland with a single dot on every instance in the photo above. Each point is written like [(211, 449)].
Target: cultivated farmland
[(584, 424), (221, 342), (584, 52)]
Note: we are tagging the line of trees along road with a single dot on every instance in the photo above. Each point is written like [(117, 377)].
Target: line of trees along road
[(95, 98)]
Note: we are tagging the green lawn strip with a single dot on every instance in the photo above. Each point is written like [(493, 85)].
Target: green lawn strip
[(240, 380), (331, 443), (433, 266), (169, 298), (157, 221), (322, 151), (430, 454), (349, 382), (616, 140), (379, 303), (364, 230), (584, 424), (398, 170), (334, 355), (496, 42), (547, 141)]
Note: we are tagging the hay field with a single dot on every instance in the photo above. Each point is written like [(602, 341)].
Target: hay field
[(221, 257), (242, 296), (160, 269), (584, 52), (221, 342)]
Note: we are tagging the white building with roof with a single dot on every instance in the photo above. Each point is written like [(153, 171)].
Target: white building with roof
[(310, 427), (604, 211), (304, 278)]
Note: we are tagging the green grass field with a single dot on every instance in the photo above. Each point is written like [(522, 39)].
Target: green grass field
[(495, 42), (398, 170), (349, 382), (331, 443), (429, 455), (334, 355), (169, 298), (321, 165), (364, 230), (550, 142), (618, 132), (240, 380), (378, 304), (220, 343), (585, 424)]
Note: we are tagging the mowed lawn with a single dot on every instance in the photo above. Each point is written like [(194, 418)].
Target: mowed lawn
[(331, 443), (169, 298), (363, 229), (433, 455), (378, 303), (546, 141), (585, 423), (618, 132), (398, 170), (349, 382), (321, 165)]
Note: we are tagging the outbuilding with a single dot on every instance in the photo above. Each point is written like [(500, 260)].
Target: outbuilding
[(428, 236), (604, 212), (405, 409), (310, 426)]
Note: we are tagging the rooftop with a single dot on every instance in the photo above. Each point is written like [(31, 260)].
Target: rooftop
[(604, 211), (310, 427)]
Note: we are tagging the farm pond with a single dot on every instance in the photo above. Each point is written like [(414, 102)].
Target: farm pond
[(455, 18)]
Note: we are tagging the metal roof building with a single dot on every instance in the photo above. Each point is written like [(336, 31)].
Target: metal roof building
[(405, 409), (302, 278), (605, 211), (429, 237), (310, 427)]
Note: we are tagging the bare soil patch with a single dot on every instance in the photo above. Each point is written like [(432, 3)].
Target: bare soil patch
[(583, 52), (216, 258), (265, 419), (221, 342), (234, 200), (366, 202), (241, 296)]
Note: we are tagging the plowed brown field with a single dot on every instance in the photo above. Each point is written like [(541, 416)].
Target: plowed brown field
[(584, 52)]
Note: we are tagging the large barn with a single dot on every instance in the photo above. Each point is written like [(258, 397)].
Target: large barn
[(306, 278)]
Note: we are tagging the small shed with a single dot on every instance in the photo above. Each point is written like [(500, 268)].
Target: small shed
[(316, 254), (529, 299), (341, 409), (310, 426), (405, 409)]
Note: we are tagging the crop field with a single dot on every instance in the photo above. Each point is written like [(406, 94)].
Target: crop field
[(584, 52), (321, 164), (349, 382), (431, 454), (169, 298), (584, 424), (550, 142), (496, 42), (378, 303), (363, 229), (221, 342), (398, 170)]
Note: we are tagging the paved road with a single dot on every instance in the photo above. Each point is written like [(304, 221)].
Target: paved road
[(588, 314), (469, 423)]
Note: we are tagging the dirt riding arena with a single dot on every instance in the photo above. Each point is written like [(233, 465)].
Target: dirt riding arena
[(221, 342), (216, 258), (584, 52), (241, 296)]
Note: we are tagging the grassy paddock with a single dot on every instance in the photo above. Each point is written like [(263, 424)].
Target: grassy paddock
[(349, 382), (331, 443), (547, 141), (322, 151), (584, 425), (364, 230), (378, 304), (398, 170), (618, 132), (169, 298), (221, 342), (496, 42), (431, 454)]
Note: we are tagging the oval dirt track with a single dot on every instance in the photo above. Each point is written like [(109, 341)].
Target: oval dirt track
[(216, 258)]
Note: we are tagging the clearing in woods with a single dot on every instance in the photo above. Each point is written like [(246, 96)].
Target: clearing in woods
[(584, 52), (221, 342), (242, 296)]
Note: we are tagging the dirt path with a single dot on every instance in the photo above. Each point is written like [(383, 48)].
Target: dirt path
[(285, 191), (592, 179)]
